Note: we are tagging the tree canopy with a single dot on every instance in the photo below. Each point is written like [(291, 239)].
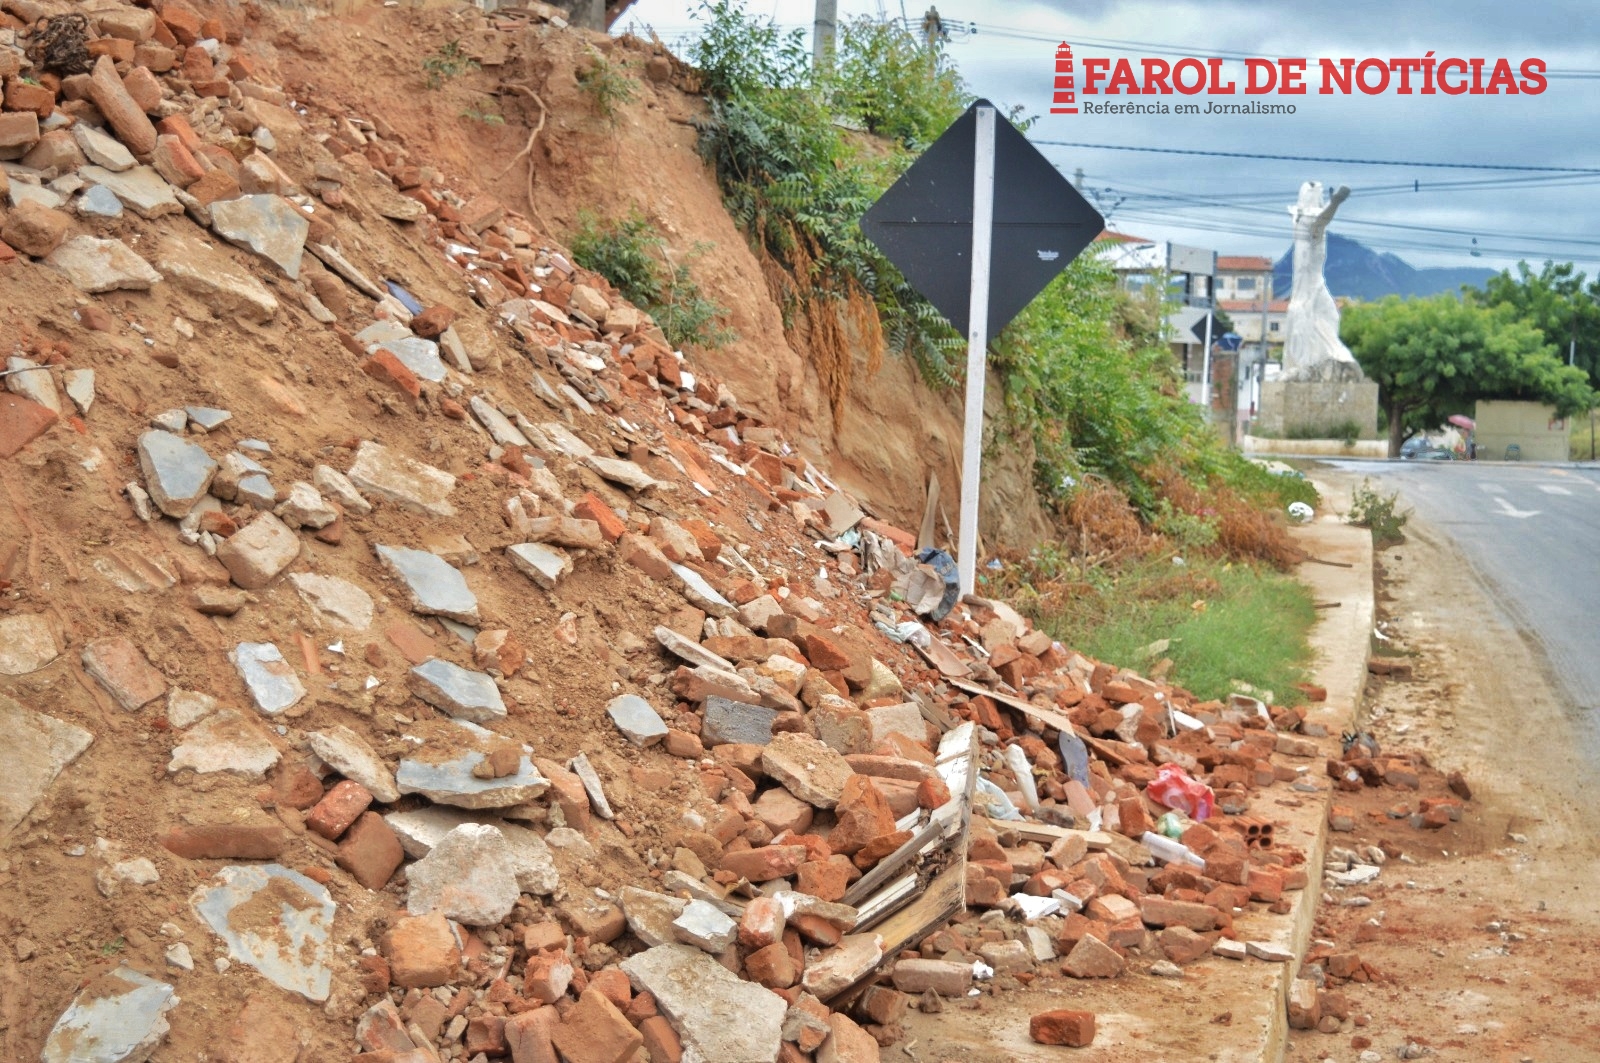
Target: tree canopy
[(1438, 356), (1557, 302)]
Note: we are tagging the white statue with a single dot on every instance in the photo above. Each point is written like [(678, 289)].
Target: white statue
[(1312, 349)]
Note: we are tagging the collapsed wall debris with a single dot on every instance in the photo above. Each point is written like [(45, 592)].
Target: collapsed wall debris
[(801, 786)]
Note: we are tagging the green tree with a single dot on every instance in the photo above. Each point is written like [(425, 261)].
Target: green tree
[(1437, 356), (1558, 303)]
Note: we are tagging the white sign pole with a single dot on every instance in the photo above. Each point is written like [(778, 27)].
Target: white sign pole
[(977, 341)]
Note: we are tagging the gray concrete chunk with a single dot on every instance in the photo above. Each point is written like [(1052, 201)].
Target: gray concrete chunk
[(636, 719), (79, 386), (99, 201), (140, 188), (211, 275), (349, 754), (468, 875), (464, 694), (650, 915), (580, 766), (419, 831), (102, 148), (26, 644), (273, 684), (619, 471), (335, 599), (269, 225), (120, 1017), (441, 772), (705, 927), (37, 748), (540, 562), (735, 721), (284, 934), (499, 427), (435, 587), (225, 741), (390, 475), (337, 486), (561, 438), (176, 472), (702, 594), (689, 650), (720, 1017), (418, 355), (207, 417), (96, 266), (256, 553)]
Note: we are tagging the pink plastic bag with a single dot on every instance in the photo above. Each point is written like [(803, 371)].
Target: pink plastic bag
[(1173, 788)]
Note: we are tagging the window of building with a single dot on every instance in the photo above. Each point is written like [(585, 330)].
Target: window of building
[(1273, 327), (1246, 284)]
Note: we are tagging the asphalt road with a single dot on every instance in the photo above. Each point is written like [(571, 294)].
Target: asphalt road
[(1532, 534)]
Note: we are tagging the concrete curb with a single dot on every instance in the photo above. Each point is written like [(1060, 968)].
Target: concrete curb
[(1340, 641)]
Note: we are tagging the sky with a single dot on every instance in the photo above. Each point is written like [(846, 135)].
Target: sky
[(1005, 52)]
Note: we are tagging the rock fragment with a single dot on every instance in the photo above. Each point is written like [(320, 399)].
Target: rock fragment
[(464, 694), (176, 471), (38, 748), (272, 682), (275, 920), (718, 1015), (119, 1017), (468, 876), (435, 587)]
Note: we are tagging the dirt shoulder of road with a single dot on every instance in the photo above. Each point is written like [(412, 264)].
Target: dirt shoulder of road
[(1478, 940)]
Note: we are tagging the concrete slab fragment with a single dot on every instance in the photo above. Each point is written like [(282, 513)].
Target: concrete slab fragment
[(275, 920)]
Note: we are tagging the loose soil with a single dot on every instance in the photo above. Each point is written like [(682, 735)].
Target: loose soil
[(1485, 932)]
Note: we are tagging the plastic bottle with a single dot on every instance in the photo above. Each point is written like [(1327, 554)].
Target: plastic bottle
[(1173, 852)]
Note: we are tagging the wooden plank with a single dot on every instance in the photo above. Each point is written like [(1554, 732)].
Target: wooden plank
[(1043, 715), (957, 753), (944, 659), (861, 893), (942, 899), (1046, 834), (885, 902)]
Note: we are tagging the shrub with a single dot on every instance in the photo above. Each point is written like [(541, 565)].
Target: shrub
[(1346, 431), (1378, 512), (894, 85), (607, 87), (798, 187), (447, 62), (628, 253)]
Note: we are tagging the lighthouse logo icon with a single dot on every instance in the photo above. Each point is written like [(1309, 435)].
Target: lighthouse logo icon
[(1065, 100)]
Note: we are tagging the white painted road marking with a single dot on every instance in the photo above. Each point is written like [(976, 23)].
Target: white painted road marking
[(1493, 489), (1508, 510), (1554, 489)]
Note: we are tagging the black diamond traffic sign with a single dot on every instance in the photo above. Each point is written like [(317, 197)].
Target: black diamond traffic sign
[(923, 223)]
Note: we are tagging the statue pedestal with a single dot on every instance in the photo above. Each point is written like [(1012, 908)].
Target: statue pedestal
[(1306, 409)]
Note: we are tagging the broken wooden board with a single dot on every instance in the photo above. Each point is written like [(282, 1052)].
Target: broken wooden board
[(944, 659), (921, 885), (1047, 835), (1043, 715)]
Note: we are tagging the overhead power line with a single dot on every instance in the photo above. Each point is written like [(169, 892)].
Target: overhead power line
[(1318, 158)]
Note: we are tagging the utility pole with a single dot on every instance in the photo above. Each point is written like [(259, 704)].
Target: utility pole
[(933, 29), (823, 28)]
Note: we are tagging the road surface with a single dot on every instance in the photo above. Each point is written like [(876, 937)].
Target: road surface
[(1532, 535)]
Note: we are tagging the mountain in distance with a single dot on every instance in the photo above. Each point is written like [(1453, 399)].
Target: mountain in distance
[(1357, 271)]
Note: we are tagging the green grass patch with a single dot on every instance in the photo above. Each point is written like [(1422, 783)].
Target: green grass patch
[(1226, 623)]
